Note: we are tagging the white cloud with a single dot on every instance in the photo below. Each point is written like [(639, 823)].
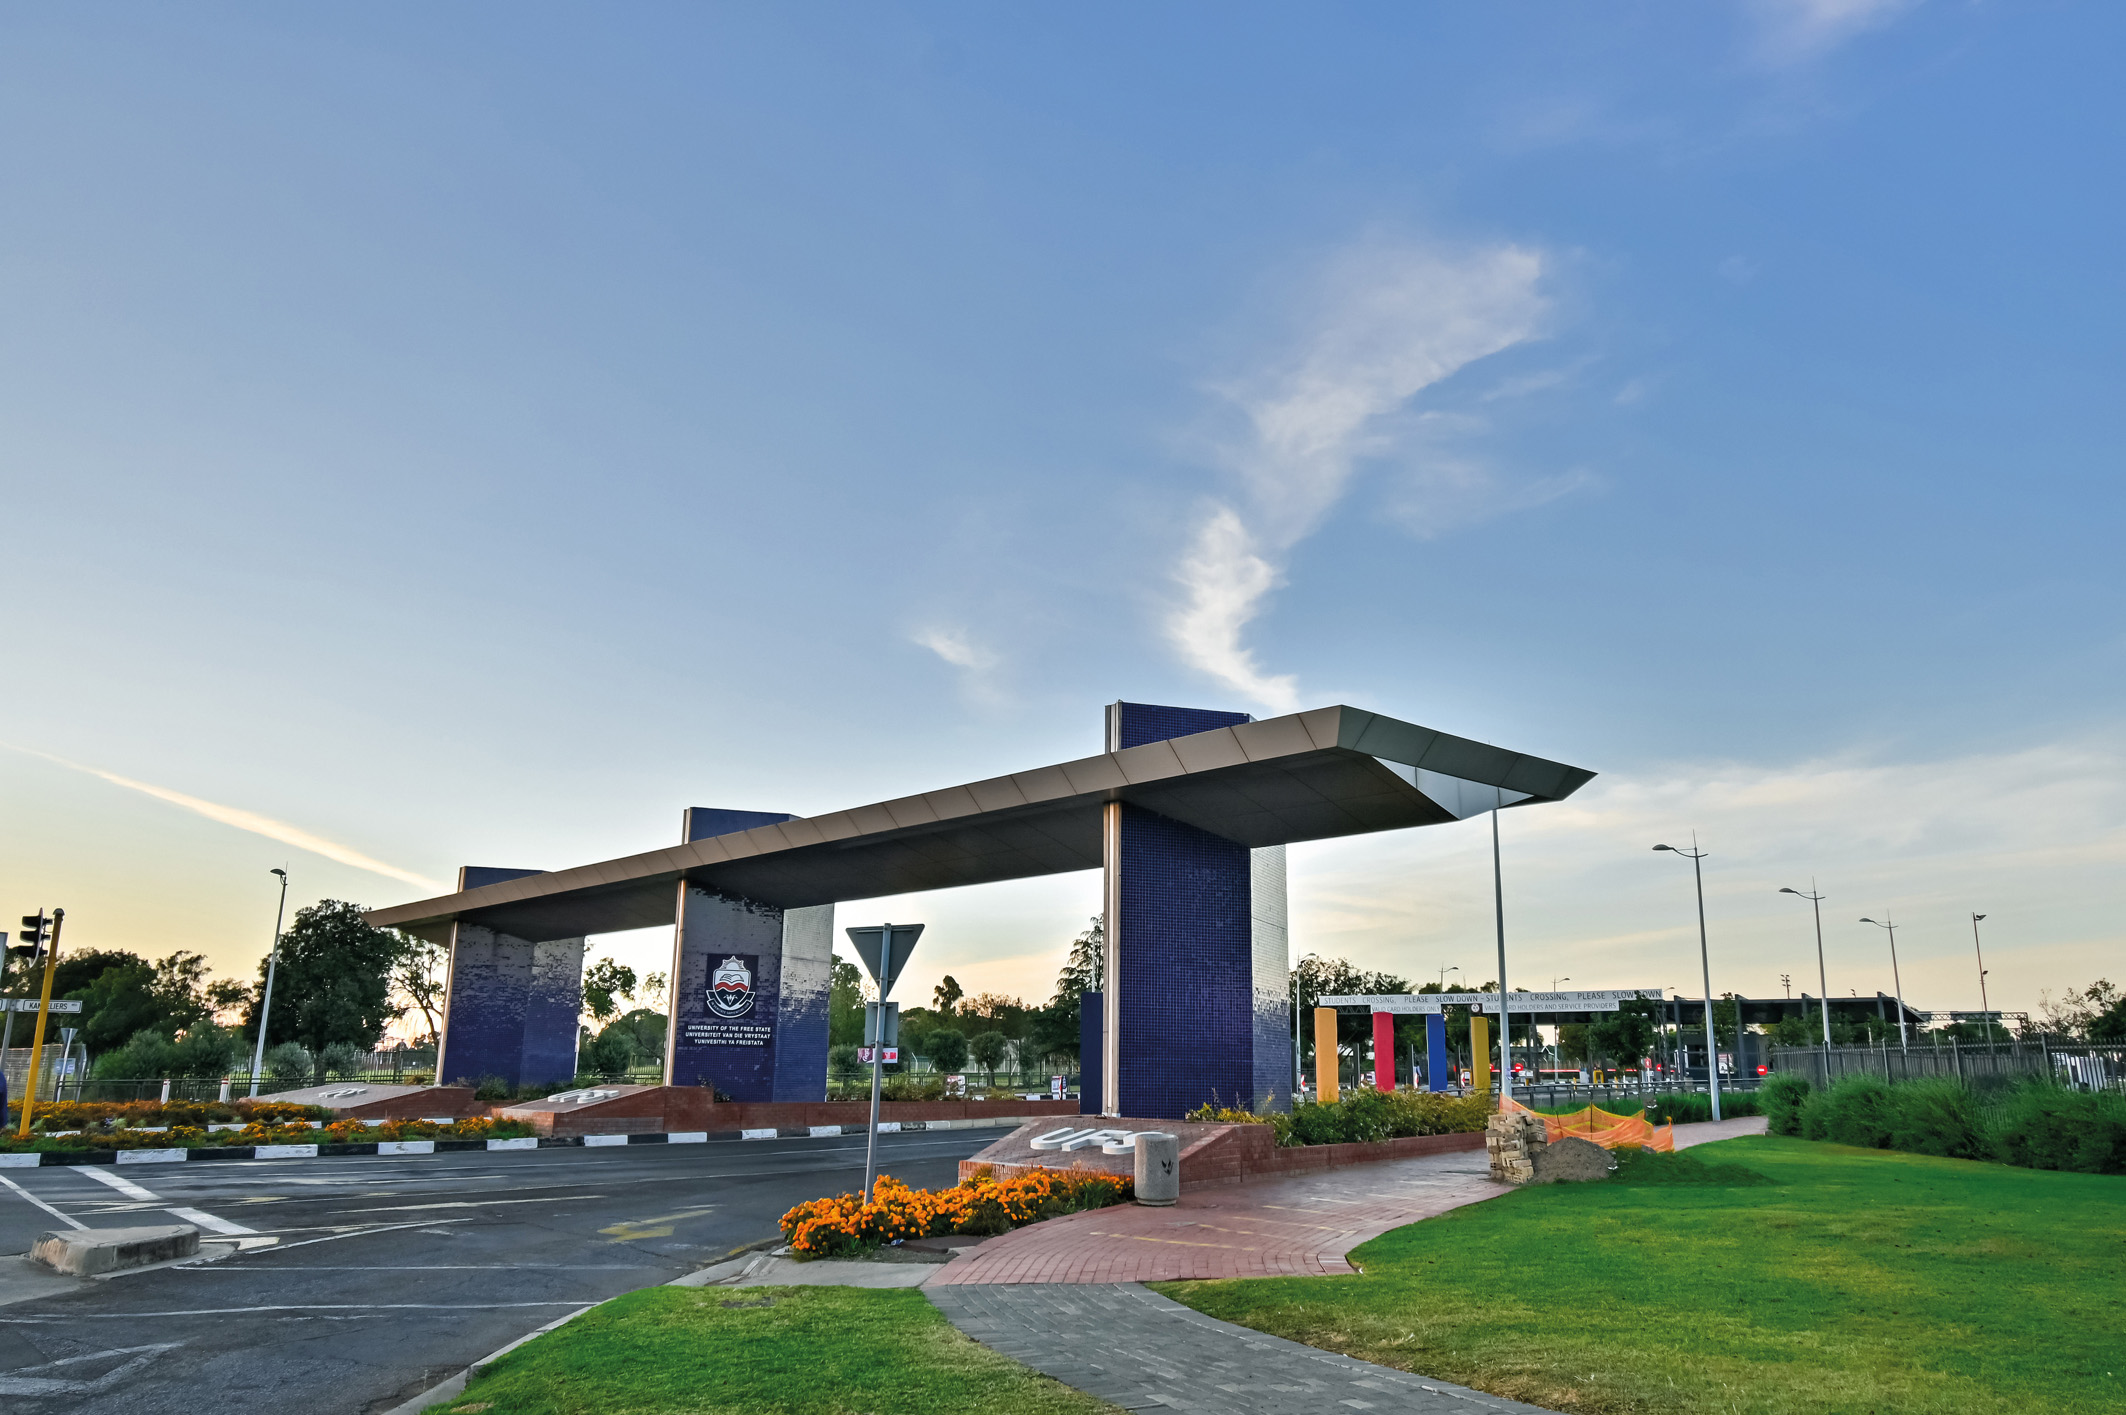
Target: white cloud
[(1794, 30), (1392, 320), (977, 664), (253, 822)]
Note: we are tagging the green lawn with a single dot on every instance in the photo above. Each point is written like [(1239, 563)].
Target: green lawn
[(1863, 1281), (775, 1351)]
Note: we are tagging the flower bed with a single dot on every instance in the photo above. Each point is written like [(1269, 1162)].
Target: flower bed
[(269, 1131), (1363, 1117), (52, 1116), (845, 1225)]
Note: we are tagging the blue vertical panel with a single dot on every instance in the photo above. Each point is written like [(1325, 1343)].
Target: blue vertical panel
[(1134, 724), (807, 977), (510, 1008), (1184, 956), (1439, 1073), (553, 1001), (702, 822), (1091, 1013), (1272, 980), (730, 1042)]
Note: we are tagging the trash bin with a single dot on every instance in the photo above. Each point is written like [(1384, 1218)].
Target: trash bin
[(1158, 1168)]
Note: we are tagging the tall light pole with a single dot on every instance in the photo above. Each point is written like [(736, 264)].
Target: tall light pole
[(265, 1006), (1498, 895), (1823, 987), (1557, 1032), (1897, 981), (1984, 1006), (1445, 969), (1712, 1040)]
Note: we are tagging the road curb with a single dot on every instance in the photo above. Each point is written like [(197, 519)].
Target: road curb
[(455, 1386), (207, 1154)]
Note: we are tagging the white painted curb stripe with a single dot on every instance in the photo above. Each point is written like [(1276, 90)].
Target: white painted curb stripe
[(151, 1156), (819, 1130), (405, 1147), (687, 1137), (209, 1221), (768, 1134), (25, 1161), (284, 1152), (591, 1141), (529, 1142)]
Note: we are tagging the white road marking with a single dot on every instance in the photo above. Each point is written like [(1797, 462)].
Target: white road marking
[(426, 1223), (19, 1382), (469, 1204), (289, 1307), (209, 1221), (63, 1218), (124, 1186)]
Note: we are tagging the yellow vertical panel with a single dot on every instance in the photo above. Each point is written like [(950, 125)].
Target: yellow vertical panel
[(1480, 1053), (1325, 1061)]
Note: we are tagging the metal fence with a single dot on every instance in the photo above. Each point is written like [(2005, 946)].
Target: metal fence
[(2087, 1068)]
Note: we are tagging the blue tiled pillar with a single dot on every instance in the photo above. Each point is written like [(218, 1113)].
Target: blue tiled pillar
[(1439, 1073), (510, 1004), (1090, 1015), (1195, 1005), (762, 1034)]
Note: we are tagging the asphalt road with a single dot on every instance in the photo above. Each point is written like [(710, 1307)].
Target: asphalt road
[(385, 1275)]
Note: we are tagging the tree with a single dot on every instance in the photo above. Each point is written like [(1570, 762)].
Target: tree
[(420, 976), (1625, 1037), (653, 991), (1085, 969), (227, 996), (605, 984), (988, 1050), (946, 1049), (333, 983), (845, 1005), (946, 995)]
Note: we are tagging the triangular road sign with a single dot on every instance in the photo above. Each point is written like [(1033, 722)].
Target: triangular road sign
[(869, 943)]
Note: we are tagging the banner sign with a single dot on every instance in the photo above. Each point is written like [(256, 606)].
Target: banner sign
[(729, 1018), (1585, 1000)]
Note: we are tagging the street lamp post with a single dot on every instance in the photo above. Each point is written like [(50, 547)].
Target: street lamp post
[(1897, 981), (1712, 1040), (1983, 1005), (1823, 987), (1557, 1035), (265, 1005)]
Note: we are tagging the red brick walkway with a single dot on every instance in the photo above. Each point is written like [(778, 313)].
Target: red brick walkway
[(1297, 1227)]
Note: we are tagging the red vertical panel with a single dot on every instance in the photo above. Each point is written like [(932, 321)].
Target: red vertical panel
[(1384, 1050)]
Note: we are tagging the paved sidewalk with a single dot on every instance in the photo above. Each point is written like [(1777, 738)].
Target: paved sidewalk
[(1142, 1351), (1297, 1227)]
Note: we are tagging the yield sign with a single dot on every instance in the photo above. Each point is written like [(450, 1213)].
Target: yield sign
[(870, 943)]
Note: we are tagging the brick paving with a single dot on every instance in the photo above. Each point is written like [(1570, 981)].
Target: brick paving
[(1297, 1227), (1142, 1351)]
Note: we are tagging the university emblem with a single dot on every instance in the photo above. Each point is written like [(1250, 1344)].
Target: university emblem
[(731, 988)]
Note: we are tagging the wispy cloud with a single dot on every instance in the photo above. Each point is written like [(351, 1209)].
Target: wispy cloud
[(251, 821), (1392, 319), (1790, 31), (957, 647)]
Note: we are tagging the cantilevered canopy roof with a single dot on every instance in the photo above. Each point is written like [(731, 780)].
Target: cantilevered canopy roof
[(1308, 776)]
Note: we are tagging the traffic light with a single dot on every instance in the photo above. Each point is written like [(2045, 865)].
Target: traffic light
[(36, 933)]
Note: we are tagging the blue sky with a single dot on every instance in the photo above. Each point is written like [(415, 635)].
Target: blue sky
[(471, 436)]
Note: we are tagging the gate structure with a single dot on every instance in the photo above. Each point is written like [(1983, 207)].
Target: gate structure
[(1187, 811)]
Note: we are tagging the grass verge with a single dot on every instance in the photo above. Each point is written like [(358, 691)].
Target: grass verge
[(1859, 1281), (763, 1351)]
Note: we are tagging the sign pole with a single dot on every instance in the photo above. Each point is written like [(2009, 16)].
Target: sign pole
[(878, 1056), (29, 1086)]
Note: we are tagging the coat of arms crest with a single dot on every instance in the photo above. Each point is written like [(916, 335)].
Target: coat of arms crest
[(731, 988)]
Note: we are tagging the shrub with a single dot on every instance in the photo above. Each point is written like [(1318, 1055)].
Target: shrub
[(290, 1066), (846, 1225), (340, 1061), (2048, 1127), (1854, 1110), (1782, 1097), (1362, 1116), (1935, 1118)]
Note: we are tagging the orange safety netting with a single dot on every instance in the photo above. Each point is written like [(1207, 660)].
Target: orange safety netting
[(1605, 1128)]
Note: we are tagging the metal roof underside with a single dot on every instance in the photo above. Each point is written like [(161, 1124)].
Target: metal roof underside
[(1315, 775)]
